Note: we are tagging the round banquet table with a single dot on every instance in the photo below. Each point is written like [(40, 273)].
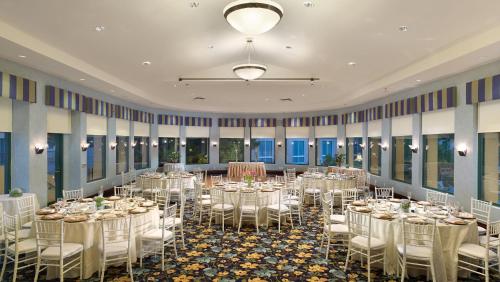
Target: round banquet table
[(448, 239), (10, 203), (235, 170), (89, 234)]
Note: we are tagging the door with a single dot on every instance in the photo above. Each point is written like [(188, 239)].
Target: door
[(54, 167)]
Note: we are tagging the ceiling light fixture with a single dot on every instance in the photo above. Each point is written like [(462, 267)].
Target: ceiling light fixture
[(403, 28), (21, 56), (146, 63), (194, 4), (253, 17), (418, 80), (351, 64), (99, 28), (308, 4), (249, 71), (82, 79), (288, 47)]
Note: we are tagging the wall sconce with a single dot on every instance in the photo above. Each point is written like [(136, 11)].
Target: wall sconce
[(340, 145), (113, 145), (214, 144), (154, 144), (39, 148), (413, 148), (280, 144), (362, 145), (247, 143), (133, 144), (311, 144), (462, 150), (85, 146), (183, 143), (384, 146)]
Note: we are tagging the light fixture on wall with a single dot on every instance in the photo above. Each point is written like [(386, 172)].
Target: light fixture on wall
[(280, 144), (183, 143), (154, 144), (462, 150), (384, 146), (214, 144), (253, 17), (113, 145), (133, 144), (311, 144), (39, 148), (85, 146), (413, 148), (340, 145), (362, 145), (247, 143)]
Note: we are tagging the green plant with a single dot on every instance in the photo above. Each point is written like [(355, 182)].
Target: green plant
[(98, 201), (405, 205), (339, 158), (328, 161), (173, 157), (16, 192)]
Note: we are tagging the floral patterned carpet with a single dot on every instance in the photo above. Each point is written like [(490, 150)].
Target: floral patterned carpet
[(211, 255)]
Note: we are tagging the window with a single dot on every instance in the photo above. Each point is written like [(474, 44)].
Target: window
[(141, 152), (401, 158), (169, 150), (326, 149), (5, 162), (231, 150), (297, 151), (96, 157), (197, 150), (374, 155), (122, 154), (354, 153), (489, 167), (262, 150), (439, 162)]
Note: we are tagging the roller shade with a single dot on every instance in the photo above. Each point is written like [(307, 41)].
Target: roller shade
[(375, 128), (97, 125), (438, 122), (232, 132), (329, 131), (58, 120), (141, 129), (122, 127), (297, 132), (198, 131), (401, 126), (489, 117), (168, 131), (354, 130), (5, 115), (263, 132)]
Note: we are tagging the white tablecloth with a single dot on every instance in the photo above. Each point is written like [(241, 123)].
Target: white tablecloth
[(10, 203)]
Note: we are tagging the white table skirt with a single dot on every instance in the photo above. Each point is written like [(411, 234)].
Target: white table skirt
[(265, 198), (10, 203)]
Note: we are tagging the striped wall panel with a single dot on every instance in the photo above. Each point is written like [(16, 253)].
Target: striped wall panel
[(98, 107), (325, 120), (122, 112), (482, 90), (170, 120), (296, 122), (141, 116), (262, 122), (232, 122), (65, 99), (197, 121), (437, 100), (374, 113), (17, 88), (353, 117)]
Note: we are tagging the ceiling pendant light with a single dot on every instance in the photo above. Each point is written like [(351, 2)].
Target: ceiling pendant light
[(253, 17), (249, 71)]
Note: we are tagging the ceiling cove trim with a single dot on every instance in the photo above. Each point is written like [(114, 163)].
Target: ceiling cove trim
[(437, 100)]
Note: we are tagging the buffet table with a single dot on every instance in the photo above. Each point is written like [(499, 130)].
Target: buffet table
[(236, 170)]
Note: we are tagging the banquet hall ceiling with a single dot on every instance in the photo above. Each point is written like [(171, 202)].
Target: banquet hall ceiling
[(183, 38)]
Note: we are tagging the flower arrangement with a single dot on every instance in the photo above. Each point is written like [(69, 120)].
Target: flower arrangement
[(405, 205), (98, 201), (16, 192), (249, 176)]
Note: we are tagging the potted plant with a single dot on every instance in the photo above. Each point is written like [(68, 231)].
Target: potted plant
[(16, 192), (99, 202), (339, 159), (405, 205), (248, 177)]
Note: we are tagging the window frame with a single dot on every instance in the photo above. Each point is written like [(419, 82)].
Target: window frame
[(424, 159), (252, 142), (127, 148), (137, 141), (306, 150), (242, 146), (207, 141), (406, 149), (318, 148), (8, 166), (104, 156), (370, 148), (347, 151), (177, 149)]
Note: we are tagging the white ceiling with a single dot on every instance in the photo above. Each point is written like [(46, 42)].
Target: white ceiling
[(59, 37)]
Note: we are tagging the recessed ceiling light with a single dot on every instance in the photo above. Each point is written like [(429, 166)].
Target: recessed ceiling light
[(21, 56), (267, 99), (351, 64), (194, 4), (403, 28), (286, 100), (99, 28), (210, 46), (308, 4), (146, 63), (175, 84), (288, 47), (418, 80), (198, 98), (303, 95), (82, 79)]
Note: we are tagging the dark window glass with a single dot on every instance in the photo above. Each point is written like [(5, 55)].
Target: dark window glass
[(439, 162), (5, 162), (326, 149), (401, 158), (489, 167), (231, 150), (297, 151), (197, 150), (96, 157), (262, 150), (122, 154), (169, 150), (354, 153), (374, 155), (141, 152)]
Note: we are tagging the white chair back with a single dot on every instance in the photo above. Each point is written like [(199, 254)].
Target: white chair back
[(359, 224), (73, 195), (26, 209), (384, 193), (11, 229), (162, 198), (249, 200), (437, 198), (49, 233), (418, 234), (114, 232), (348, 196), (216, 179), (122, 192), (481, 210)]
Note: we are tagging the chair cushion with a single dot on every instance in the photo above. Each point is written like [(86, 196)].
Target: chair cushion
[(115, 248), (337, 191), (221, 207), (337, 228), (362, 242), (417, 252), (175, 190), (481, 230), (24, 246), (205, 196), (27, 225), (293, 203), (494, 241), (475, 251), (312, 191), (156, 234), (249, 208), (69, 249), (206, 202), (337, 218), (24, 233), (276, 207), (168, 221)]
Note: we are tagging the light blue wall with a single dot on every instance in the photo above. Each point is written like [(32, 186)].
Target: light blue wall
[(29, 127)]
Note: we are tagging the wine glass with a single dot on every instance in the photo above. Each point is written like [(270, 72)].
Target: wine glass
[(408, 195)]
